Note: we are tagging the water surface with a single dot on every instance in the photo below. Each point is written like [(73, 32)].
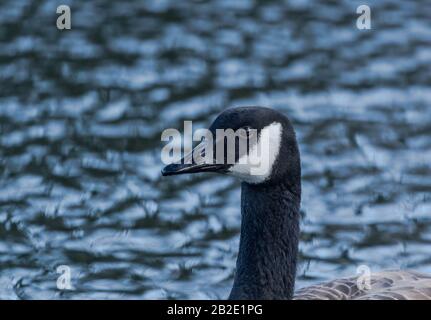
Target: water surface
[(82, 111)]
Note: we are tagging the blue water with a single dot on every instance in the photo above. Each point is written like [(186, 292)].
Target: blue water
[(82, 111)]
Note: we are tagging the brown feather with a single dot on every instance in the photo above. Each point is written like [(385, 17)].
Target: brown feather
[(385, 285)]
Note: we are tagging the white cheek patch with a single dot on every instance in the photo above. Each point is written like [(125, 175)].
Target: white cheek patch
[(256, 166)]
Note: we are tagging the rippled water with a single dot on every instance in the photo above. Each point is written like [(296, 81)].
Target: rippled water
[(81, 113)]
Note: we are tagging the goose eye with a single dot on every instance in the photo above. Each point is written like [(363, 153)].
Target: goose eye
[(245, 132)]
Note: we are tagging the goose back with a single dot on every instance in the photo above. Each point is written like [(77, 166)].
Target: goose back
[(385, 285)]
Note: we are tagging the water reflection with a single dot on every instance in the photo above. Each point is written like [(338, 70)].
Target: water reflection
[(81, 113)]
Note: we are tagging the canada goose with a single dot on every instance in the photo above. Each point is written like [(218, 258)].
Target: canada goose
[(270, 203)]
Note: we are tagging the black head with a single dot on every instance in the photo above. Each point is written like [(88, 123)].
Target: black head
[(271, 154)]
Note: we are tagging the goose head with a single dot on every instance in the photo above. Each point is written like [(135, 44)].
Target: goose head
[(264, 150)]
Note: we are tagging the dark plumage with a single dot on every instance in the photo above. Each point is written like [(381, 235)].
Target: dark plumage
[(266, 264)]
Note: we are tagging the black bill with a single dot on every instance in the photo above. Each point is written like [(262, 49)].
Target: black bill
[(195, 162)]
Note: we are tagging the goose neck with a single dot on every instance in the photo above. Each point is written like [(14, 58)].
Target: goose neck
[(266, 264)]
